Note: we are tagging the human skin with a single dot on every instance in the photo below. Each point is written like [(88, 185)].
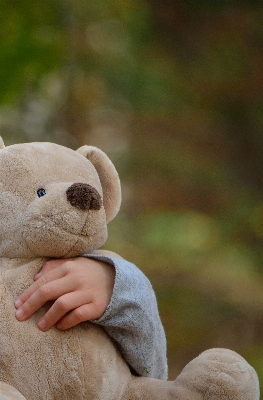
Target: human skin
[(81, 289)]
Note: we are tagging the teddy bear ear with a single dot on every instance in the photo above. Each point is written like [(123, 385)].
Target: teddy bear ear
[(109, 179), (2, 145)]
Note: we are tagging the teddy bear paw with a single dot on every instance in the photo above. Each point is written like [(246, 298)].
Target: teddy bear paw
[(220, 374)]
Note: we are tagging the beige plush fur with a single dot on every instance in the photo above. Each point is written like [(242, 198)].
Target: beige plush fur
[(81, 363)]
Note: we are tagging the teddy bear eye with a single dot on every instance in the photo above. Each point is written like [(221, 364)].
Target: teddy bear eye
[(41, 192)]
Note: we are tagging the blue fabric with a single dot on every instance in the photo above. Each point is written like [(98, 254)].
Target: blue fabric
[(132, 320)]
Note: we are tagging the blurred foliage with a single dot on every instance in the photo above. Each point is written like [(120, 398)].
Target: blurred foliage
[(173, 92)]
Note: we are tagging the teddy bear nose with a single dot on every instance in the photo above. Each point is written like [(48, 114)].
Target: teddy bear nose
[(84, 196)]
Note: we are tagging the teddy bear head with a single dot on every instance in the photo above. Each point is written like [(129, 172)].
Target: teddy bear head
[(55, 202)]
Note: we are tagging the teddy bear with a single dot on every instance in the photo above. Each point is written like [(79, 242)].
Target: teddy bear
[(56, 202)]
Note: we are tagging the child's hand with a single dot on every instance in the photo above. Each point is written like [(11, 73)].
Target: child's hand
[(81, 287)]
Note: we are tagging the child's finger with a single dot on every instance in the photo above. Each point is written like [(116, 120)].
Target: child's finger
[(50, 265), (86, 312), (62, 306), (49, 291), (52, 275)]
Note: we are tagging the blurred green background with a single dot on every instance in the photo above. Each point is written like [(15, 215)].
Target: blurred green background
[(173, 92)]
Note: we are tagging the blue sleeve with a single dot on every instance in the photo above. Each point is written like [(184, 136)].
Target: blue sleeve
[(132, 320)]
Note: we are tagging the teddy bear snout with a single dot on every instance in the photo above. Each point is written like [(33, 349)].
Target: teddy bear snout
[(84, 196)]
